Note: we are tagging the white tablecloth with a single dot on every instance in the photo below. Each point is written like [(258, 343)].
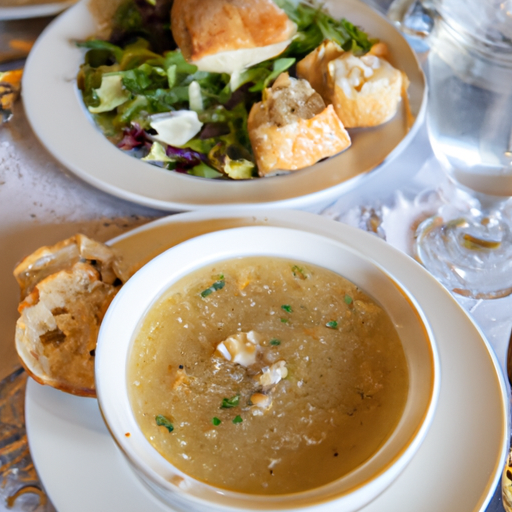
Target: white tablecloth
[(42, 203)]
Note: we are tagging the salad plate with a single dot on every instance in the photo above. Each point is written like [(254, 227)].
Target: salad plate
[(457, 467), (56, 112), (17, 10)]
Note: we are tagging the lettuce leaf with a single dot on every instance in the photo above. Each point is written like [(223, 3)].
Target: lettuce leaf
[(154, 77), (315, 25)]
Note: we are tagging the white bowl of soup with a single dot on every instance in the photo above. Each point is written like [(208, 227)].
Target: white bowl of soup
[(266, 368)]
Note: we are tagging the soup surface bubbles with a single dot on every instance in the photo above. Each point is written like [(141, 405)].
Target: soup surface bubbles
[(267, 376)]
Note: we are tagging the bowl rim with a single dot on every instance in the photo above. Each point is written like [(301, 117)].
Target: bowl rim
[(312, 496)]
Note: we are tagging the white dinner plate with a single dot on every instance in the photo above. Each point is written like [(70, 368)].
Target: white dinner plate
[(456, 468), (58, 117), (31, 9)]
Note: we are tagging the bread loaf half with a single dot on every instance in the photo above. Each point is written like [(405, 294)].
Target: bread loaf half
[(66, 290)]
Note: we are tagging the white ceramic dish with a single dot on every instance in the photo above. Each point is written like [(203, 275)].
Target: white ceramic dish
[(50, 93), (456, 468), (25, 10), (131, 304)]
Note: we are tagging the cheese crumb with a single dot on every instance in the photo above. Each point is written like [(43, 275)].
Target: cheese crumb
[(177, 127), (260, 400), (241, 348), (272, 374)]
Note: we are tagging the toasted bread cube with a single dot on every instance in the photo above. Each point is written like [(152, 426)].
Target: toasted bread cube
[(313, 67), (292, 129), (366, 90)]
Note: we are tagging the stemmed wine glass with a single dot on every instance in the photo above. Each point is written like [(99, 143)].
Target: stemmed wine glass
[(469, 121)]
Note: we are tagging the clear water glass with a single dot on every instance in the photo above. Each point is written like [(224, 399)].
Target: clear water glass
[(469, 120)]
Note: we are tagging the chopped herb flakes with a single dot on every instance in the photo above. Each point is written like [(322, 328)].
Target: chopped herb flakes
[(216, 421), (162, 421), (332, 324), (348, 299), (228, 403), (275, 342), (298, 272), (284, 320), (287, 308), (218, 285), (237, 419)]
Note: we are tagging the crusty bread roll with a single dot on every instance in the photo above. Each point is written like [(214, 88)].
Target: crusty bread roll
[(292, 129), (66, 290), (205, 28), (364, 91)]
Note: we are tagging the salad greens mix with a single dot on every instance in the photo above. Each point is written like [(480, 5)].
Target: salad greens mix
[(139, 72)]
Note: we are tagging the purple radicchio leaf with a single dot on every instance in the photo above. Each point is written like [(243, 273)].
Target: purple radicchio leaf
[(185, 157), (133, 137)]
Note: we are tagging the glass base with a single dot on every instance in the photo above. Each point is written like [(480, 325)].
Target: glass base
[(470, 256)]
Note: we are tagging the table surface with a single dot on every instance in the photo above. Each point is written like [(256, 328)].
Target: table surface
[(41, 203)]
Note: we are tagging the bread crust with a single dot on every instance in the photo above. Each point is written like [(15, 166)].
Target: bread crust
[(291, 144), (58, 327), (48, 260), (205, 28), (66, 289)]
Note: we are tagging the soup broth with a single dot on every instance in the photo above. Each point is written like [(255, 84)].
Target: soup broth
[(266, 376)]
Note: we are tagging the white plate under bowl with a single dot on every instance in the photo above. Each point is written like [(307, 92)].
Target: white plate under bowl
[(58, 117), (456, 468)]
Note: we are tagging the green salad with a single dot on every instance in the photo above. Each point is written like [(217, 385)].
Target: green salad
[(139, 74)]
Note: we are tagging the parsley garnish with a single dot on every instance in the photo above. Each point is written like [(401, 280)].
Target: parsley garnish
[(218, 285), (332, 324), (287, 308), (348, 299), (284, 320), (298, 272), (228, 403), (162, 421), (274, 342), (238, 419), (216, 421)]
